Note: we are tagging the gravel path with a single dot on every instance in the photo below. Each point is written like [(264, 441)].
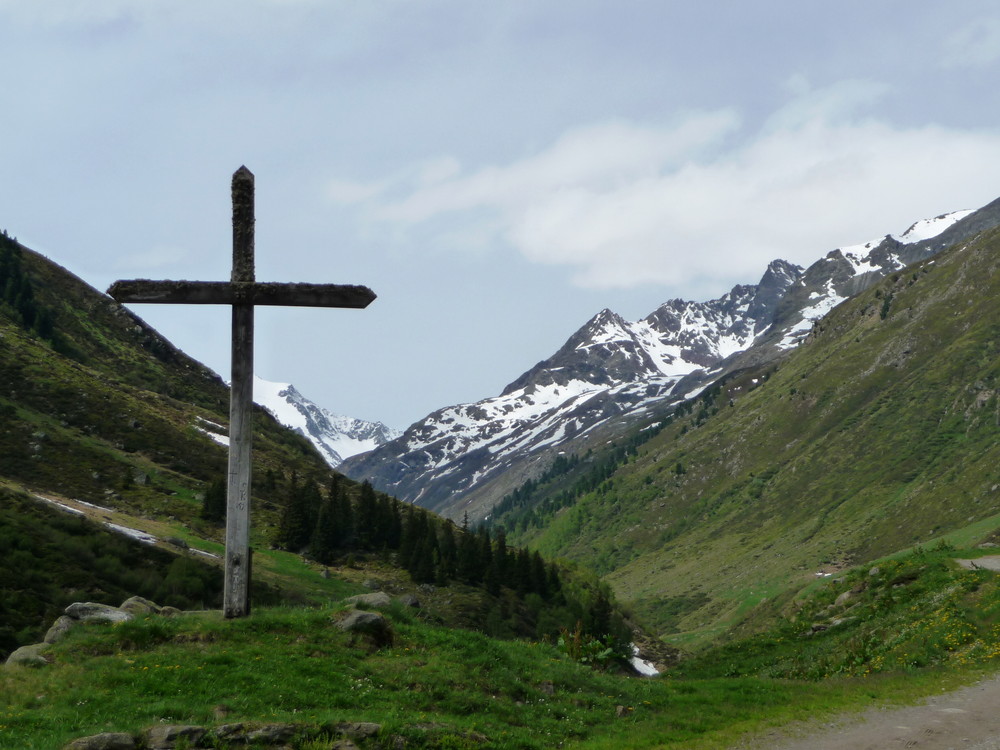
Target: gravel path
[(967, 719)]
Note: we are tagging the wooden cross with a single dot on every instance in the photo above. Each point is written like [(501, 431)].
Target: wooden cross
[(243, 293)]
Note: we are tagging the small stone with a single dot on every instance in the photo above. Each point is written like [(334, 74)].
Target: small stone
[(409, 600), (358, 730), (221, 711)]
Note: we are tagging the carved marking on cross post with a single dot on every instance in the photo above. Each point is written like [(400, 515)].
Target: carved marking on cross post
[(242, 292)]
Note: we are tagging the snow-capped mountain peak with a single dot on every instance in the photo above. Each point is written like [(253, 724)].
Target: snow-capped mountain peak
[(612, 371), (929, 228), (336, 437)]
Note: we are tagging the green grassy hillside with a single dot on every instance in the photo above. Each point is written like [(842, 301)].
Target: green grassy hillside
[(877, 434), (431, 687), (104, 420)]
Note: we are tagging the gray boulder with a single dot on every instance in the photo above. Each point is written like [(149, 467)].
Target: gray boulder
[(94, 612), (166, 737), (28, 656), (358, 730), (374, 627), (409, 600), (104, 741), (273, 734), (136, 605), (377, 600)]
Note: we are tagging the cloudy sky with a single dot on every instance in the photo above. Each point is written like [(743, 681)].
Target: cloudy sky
[(496, 172)]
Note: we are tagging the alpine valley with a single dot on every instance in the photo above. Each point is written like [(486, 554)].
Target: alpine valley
[(774, 495), (612, 374)]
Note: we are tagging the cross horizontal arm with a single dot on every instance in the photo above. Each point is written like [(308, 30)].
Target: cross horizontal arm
[(245, 293)]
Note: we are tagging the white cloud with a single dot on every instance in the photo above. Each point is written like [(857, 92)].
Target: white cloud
[(624, 204), (975, 45)]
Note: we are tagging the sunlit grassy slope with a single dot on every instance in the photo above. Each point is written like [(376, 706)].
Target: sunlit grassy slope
[(433, 687), (877, 434)]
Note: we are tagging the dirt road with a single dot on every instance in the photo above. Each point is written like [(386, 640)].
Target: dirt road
[(966, 719)]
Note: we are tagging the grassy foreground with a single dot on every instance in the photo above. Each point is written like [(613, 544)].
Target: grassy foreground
[(434, 687)]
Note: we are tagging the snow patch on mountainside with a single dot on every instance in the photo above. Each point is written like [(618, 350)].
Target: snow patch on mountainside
[(864, 259), (613, 369), (336, 437), (929, 228)]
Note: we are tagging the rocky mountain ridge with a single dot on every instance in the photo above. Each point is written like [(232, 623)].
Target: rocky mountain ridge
[(336, 437), (612, 373)]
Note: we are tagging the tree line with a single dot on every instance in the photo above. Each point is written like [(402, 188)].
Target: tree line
[(332, 522), (17, 293)]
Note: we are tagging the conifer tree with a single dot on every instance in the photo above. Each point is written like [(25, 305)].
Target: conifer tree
[(297, 521), (342, 511), (469, 568), (366, 517), (422, 565), (538, 576), (323, 545), (500, 553), (213, 506), (408, 539), (448, 553), (521, 578)]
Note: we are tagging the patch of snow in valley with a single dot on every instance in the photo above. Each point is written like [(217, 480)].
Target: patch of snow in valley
[(642, 666), (216, 437), (60, 506), (140, 536), (91, 505)]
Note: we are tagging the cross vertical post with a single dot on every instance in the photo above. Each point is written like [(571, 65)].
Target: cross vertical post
[(236, 596), (242, 292)]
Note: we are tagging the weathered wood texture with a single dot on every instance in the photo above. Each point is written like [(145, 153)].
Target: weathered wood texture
[(236, 590), (243, 293), (229, 293)]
